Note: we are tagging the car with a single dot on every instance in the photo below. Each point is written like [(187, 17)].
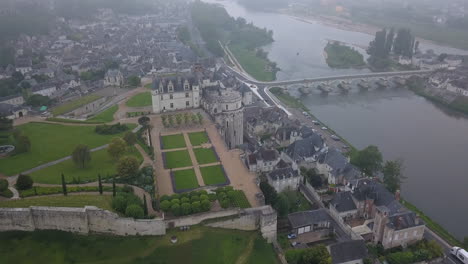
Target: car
[(316, 122), (294, 244), (292, 236), (324, 128), (334, 137), (305, 113)]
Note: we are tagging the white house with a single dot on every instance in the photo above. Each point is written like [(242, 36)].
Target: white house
[(284, 178), (175, 93)]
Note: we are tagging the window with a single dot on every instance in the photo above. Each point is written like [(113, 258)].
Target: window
[(227, 107), (172, 105), (187, 103), (162, 97), (186, 95), (186, 87), (171, 96)]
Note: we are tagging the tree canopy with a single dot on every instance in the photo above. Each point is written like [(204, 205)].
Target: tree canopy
[(392, 173), (117, 148), (369, 160), (81, 156)]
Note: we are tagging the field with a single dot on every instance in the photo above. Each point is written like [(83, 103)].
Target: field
[(185, 179), (103, 202), (67, 107), (177, 159), (198, 138), (50, 142), (205, 155), (199, 245), (105, 116), (140, 100), (101, 163), (173, 141), (213, 175), (253, 64)]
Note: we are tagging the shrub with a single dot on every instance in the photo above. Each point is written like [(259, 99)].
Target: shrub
[(185, 200), (130, 138), (165, 205), (203, 197), (175, 196), (205, 205), (195, 198), (221, 195), (134, 211), (127, 167), (231, 195), (127, 189), (3, 185), (24, 182), (175, 201), (186, 208), (165, 197), (144, 120), (23, 144), (202, 192), (225, 203), (212, 197), (119, 203), (117, 148), (196, 207), (175, 209), (110, 129)]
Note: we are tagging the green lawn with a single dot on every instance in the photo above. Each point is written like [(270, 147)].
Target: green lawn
[(213, 175), (50, 142), (140, 100), (173, 141), (103, 202), (205, 155), (254, 65), (185, 179), (199, 245), (105, 116), (198, 138), (67, 107), (40, 190), (100, 163), (177, 159)]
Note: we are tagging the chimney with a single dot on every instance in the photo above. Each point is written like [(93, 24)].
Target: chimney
[(397, 195)]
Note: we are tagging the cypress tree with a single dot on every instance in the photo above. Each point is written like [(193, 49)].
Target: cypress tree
[(145, 205), (100, 184), (113, 187), (64, 185)]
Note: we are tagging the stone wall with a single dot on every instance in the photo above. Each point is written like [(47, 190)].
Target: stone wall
[(77, 220), (88, 108)]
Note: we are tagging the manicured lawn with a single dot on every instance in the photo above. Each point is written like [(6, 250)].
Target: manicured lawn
[(39, 190), (105, 116), (253, 64), (173, 141), (67, 107), (213, 175), (101, 201), (198, 138), (177, 159), (185, 179), (50, 142), (101, 163), (140, 100), (199, 245), (205, 155)]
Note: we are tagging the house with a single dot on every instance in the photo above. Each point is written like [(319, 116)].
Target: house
[(343, 205), (175, 92), (12, 111), (45, 89), (113, 78), (23, 65), (310, 221), (336, 167), (304, 152), (285, 136), (260, 121), (284, 178), (348, 252), (263, 160), (12, 99)]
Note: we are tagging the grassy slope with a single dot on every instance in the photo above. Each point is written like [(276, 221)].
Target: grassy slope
[(101, 163), (196, 246), (67, 107), (178, 159), (205, 155), (105, 116), (185, 179), (213, 175), (103, 201), (173, 141), (140, 100), (254, 65), (198, 138), (50, 142)]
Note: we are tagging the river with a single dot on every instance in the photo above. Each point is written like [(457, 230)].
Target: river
[(432, 140)]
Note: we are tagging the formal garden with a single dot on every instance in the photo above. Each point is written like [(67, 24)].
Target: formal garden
[(206, 155), (214, 175), (182, 119), (197, 245), (177, 159), (184, 180), (198, 138), (173, 141)]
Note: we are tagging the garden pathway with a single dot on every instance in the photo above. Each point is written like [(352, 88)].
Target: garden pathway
[(196, 166), (147, 161)]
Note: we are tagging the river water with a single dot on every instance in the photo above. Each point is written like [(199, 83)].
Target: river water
[(431, 140)]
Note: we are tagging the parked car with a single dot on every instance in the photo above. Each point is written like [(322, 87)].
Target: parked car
[(324, 128), (316, 122), (292, 236), (334, 137), (295, 244)]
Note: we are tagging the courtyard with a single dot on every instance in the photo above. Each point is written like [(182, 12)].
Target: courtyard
[(196, 157)]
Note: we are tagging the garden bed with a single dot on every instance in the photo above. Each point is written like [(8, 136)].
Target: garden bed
[(206, 155), (184, 180), (173, 141), (176, 159), (214, 175), (198, 138)]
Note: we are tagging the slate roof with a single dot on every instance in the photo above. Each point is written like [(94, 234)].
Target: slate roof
[(404, 220), (335, 159), (283, 173), (343, 202), (305, 218), (305, 148), (371, 189), (177, 80), (267, 154), (348, 251)]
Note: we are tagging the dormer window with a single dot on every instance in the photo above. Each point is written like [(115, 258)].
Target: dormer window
[(170, 87)]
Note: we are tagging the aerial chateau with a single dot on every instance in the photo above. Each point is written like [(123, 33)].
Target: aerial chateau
[(222, 99)]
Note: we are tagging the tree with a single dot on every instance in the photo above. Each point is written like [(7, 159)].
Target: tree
[(100, 184), (130, 138), (127, 166), (179, 119), (315, 255), (175, 209), (465, 242), (205, 205), (269, 193), (200, 118), (64, 185), (392, 173), (144, 121), (113, 187), (369, 160), (186, 118), (24, 182), (23, 144), (17, 77), (135, 211), (282, 205), (145, 206), (37, 100), (81, 156), (134, 81), (117, 148), (6, 124), (186, 208), (3, 185)]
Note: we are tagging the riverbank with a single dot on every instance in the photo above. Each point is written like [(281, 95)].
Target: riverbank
[(261, 68)]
